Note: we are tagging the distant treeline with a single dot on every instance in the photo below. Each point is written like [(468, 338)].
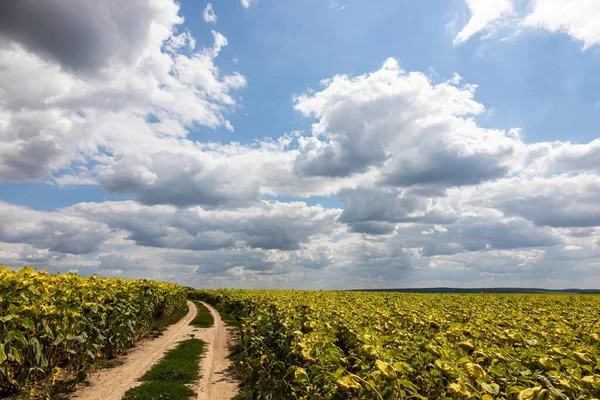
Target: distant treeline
[(485, 290)]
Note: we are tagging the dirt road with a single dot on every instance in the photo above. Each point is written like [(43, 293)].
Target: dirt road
[(111, 384), (215, 382)]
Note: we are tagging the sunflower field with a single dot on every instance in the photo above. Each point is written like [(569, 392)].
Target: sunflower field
[(366, 345), (60, 325)]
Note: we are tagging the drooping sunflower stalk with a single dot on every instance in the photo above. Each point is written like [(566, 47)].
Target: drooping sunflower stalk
[(64, 323)]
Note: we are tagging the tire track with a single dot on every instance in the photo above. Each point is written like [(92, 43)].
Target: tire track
[(216, 380), (111, 384)]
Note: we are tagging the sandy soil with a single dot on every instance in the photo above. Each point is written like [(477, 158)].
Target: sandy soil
[(111, 384), (216, 382)]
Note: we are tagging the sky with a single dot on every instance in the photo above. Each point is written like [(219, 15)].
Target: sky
[(305, 144)]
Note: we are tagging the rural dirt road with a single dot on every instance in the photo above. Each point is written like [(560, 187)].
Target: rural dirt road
[(215, 382)]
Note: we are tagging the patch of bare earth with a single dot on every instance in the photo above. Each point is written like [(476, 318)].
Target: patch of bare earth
[(216, 379), (111, 384)]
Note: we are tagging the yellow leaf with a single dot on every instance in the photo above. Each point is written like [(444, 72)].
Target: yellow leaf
[(548, 363), (529, 394), (402, 367), (467, 345), (593, 379), (300, 375), (583, 358), (386, 369), (459, 389), (348, 382), (475, 370), (370, 350)]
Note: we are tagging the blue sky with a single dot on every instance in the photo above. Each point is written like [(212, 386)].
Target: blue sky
[(336, 133), (285, 48)]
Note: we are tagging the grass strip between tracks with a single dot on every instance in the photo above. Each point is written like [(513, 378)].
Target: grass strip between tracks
[(204, 318), (171, 377)]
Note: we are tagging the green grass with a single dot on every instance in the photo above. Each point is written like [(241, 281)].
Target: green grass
[(167, 379), (160, 391), (179, 365), (204, 318)]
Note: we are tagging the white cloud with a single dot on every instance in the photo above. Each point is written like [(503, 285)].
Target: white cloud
[(268, 225), (214, 175), (108, 98), (53, 232), (336, 5), (290, 245), (558, 201), (572, 247), (579, 19), (484, 13), (432, 141), (247, 3), (423, 184), (90, 38), (209, 14), (560, 157)]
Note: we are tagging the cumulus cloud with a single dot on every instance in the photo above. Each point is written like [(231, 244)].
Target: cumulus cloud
[(484, 13), (469, 234), (557, 201), (379, 205), (209, 14), (105, 32), (167, 242), (55, 232), (417, 133), (578, 19), (478, 233), (567, 157), (270, 225), (121, 65), (206, 180), (572, 247), (35, 143), (185, 173), (247, 3), (289, 245)]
